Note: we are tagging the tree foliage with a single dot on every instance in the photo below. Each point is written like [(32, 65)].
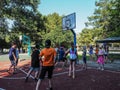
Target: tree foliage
[(105, 20), (54, 30), (28, 21)]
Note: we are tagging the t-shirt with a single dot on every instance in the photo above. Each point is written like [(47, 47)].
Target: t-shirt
[(84, 53), (35, 59), (101, 52), (96, 50), (91, 50), (73, 53), (49, 54), (12, 50), (61, 53)]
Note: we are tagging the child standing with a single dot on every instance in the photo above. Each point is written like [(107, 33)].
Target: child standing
[(91, 52), (12, 57), (73, 56), (96, 51), (100, 60), (35, 63), (84, 58), (48, 62), (17, 56)]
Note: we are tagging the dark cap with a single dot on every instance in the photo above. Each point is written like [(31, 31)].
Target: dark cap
[(47, 43)]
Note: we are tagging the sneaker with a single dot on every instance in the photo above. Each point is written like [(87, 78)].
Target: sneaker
[(14, 72), (73, 77), (69, 75), (26, 79), (102, 69), (36, 79), (51, 88), (99, 68)]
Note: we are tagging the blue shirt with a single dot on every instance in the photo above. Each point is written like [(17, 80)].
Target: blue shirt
[(12, 50)]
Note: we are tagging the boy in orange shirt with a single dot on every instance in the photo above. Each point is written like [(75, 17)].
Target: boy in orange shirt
[(47, 63)]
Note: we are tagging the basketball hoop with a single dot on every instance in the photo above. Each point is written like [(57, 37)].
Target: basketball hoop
[(69, 22)]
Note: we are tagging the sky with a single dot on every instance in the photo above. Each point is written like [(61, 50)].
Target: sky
[(82, 8)]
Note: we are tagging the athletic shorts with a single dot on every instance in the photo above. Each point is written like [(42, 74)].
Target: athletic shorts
[(72, 59), (35, 68), (13, 62), (61, 59), (84, 60), (45, 69)]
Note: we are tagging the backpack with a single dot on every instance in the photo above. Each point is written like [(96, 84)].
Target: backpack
[(73, 54)]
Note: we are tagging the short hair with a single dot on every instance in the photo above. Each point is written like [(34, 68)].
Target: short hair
[(13, 43), (47, 43), (37, 46)]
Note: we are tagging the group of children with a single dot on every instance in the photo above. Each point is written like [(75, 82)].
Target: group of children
[(101, 55), (46, 58)]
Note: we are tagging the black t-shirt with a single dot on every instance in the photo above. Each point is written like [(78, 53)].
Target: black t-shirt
[(35, 59)]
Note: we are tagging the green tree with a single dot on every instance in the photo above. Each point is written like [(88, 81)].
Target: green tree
[(54, 30), (27, 20), (106, 18)]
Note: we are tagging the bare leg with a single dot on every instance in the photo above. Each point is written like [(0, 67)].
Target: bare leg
[(73, 65), (28, 74), (85, 66), (70, 67), (102, 66), (10, 67), (38, 84), (14, 68), (99, 66), (36, 74), (50, 83)]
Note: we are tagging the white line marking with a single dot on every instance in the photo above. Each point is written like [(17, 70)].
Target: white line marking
[(58, 74), (107, 70), (26, 73), (82, 70), (12, 78), (65, 72), (2, 89)]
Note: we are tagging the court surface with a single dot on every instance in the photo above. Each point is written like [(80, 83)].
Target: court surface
[(91, 79)]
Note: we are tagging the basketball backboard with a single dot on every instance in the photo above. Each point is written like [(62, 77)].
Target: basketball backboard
[(69, 22)]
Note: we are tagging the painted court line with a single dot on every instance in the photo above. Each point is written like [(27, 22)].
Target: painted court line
[(2, 89), (58, 74), (12, 78), (82, 70), (26, 73), (65, 72), (107, 70)]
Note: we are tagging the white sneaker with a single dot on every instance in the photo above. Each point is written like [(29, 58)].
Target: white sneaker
[(102, 69), (99, 68)]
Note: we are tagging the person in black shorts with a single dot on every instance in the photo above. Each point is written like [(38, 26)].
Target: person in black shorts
[(35, 63), (48, 62)]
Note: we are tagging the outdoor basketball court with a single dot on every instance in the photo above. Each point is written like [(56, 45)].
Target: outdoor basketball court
[(91, 79)]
